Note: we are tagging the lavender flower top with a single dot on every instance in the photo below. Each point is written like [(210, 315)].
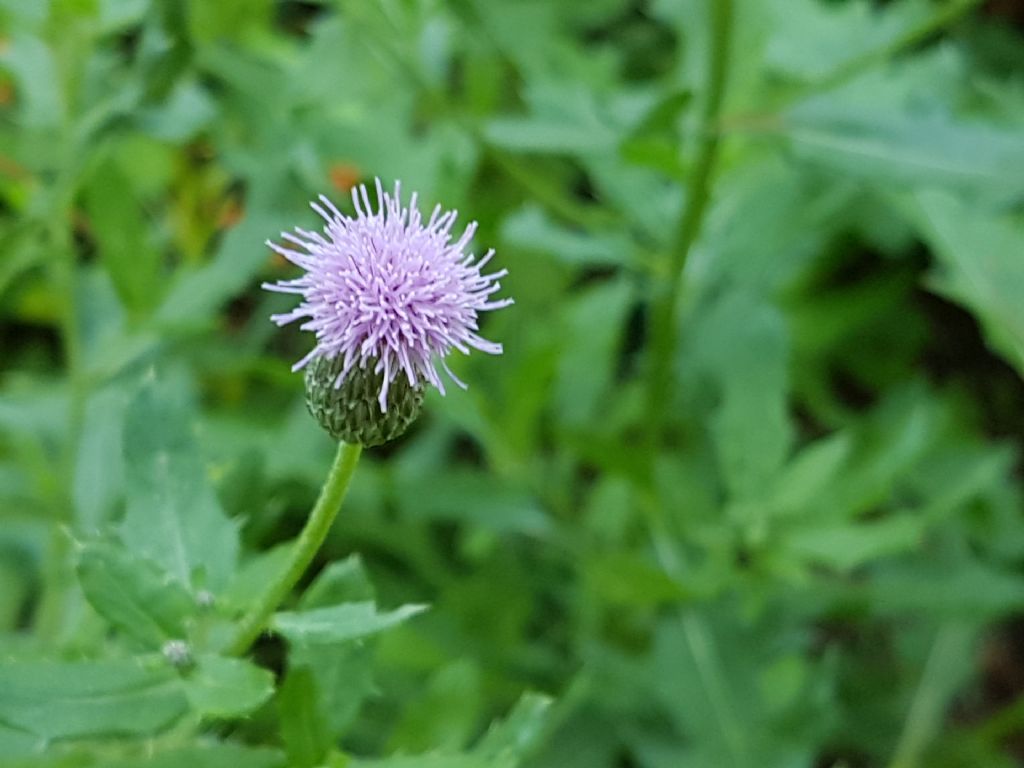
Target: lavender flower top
[(388, 290)]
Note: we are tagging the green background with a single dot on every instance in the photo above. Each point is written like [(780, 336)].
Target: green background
[(804, 550)]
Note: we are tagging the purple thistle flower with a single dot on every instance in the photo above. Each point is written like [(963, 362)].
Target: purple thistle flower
[(388, 290)]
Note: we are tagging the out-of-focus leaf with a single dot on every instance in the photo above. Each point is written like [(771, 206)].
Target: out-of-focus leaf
[(910, 151), (99, 469), (981, 265), (89, 698), (16, 743), (220, 755), (531, 228), (172, 513), (847, 546), (811, 39), (303, 726), (595, 323), (623, 578), (438, 760), (343, 581), (133, 594), (251, 579), (445, 715), (340, 623), (472, 497), (32, 63), (806, 478), (220, 687), (514, 738), (959, 589), (342, 678), (119, 227), (568, 118), (187, 110), (741, 344)]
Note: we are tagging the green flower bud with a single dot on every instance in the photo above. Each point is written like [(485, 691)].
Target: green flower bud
[(352, 412)]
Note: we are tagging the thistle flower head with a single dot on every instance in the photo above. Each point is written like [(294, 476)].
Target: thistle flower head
[(387, 293)]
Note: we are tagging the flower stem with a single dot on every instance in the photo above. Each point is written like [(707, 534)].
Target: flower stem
[(332, 494), (665, 302)]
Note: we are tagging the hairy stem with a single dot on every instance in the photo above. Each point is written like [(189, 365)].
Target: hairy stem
[(665, 302), (332, 494)]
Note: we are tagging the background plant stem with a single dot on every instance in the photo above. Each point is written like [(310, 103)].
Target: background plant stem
[(332, 494), (665, 302)]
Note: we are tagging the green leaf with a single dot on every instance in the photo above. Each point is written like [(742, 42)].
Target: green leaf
[(251, 579), (220, 687), (173, 516), (567, 118), (471, 497), (511, 740), (901, 149), (444, 715), (303, 726), (741, 345), (439, 760), (531, 228), (221, 755), (961, 588), (594, 326), (99, 469), (57, 700), (340, 623), (343, 581), (133, 594), (806, 478), (34, 67), (121, 233), (847, 546), (343, 679), (980, 265), (811, 39), (15, 742), (625, 578)]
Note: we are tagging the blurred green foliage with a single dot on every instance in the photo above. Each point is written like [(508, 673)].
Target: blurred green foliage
[(809, 553)]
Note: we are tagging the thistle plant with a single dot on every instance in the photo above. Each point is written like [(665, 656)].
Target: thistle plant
[(388, 297)]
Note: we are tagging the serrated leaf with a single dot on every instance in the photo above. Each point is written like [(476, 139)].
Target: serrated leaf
[(900, 149), (340, 623), (133, 594), (57, 700), (173, 516), (221, 687)]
